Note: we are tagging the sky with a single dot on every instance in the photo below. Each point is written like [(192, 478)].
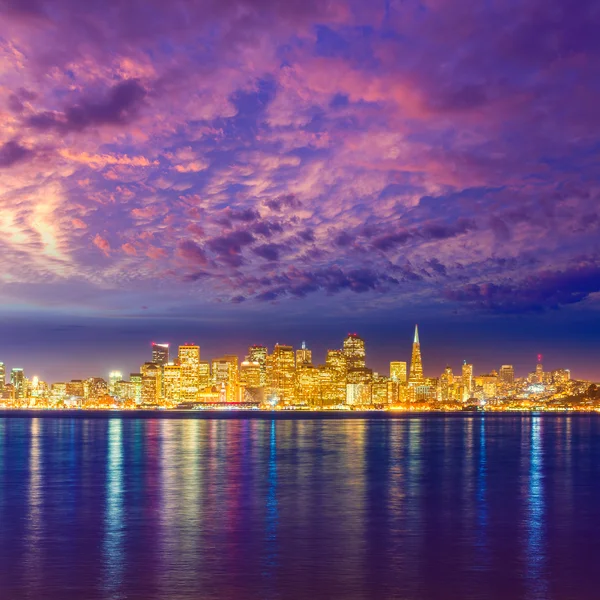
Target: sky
[(229, 172)]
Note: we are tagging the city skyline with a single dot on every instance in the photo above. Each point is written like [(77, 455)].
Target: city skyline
[(522, 365), (245, 169), (293, 378)]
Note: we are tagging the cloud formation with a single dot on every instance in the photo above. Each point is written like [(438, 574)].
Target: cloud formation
[(254, 151)]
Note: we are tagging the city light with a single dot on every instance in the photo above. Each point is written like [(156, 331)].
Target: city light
[(289, 379)]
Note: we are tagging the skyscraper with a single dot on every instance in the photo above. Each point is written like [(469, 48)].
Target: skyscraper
[(171, 382), (354, 350), (398, 371), (507, 374), (160, 354), (17, 379), (258, 354), (151, 382), (303, 356), (282, 373), (2, 376), (416, 365), (189, 361), (467, 380)]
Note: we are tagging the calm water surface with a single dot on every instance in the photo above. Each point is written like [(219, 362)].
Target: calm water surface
[(433, 507)]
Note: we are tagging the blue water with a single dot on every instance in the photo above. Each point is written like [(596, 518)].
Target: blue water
[(433, 507)]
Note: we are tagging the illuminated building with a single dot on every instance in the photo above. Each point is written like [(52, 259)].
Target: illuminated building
[(259, 354), (398, 371), (76, 388), (507, 375), (379, 390), (96, 388), (136, 384), (250, 374), (303, 356), (58, 391), (225, 375), (308, 385), (539, 370), (204, 380), (354, 351), (467, 380), (189, 361), (358, 394), (113, 378), (416, 365), (561, 376), (333, 378), (446, 383), (17, 380), (281, 384), (488, 383), (2, 376), (124, 390), (151, 382), (171, 384), (160, 354)]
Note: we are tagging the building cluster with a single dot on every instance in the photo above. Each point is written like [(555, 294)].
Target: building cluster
[(289, 378)]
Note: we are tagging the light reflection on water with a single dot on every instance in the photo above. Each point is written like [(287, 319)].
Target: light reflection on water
[(417, 508)]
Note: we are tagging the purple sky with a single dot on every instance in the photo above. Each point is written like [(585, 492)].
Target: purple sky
[(237, 171)]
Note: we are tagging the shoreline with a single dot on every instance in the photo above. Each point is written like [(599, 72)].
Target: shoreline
[(277, 414)]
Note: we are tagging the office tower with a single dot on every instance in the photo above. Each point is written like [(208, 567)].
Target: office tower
[(539, 370), (151, 382), (282, 374), (17, 380), (354, 351), (307, 385), (303, 356), (416, 366), (204, 375), (398, 371), (76, 388), (225, 375), (379, 389), (258, 354), (2, 376), (136, 386), (250, 375), (58, 391), (113, 378), (507, 374), (446, 383), (189, 361), (467, 380), (171, 386), (160, 354), (333, 378)]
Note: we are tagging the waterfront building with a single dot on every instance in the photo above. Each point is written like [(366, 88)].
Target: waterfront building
[(136, 384), (17, 380), (308, 385), (189, 361), (171, 386), (282, 374), (225, 375), (2, 376), (398, 371), (259, 354), (151, 382), (204, 377)]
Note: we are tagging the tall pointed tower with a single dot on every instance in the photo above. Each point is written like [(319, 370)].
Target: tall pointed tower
[(416, 366)]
